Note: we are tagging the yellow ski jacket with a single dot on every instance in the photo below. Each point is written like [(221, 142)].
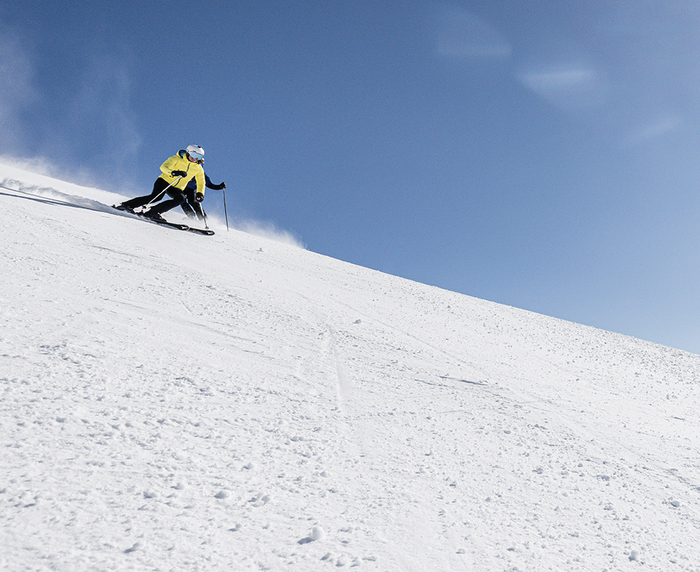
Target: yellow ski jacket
[(180, 162)]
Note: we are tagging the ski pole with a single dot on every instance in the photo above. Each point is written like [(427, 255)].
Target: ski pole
[(225, 210)]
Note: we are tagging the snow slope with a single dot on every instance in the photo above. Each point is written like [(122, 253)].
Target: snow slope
[(177, 402)]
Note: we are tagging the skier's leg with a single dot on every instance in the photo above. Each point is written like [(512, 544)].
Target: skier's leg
[(187, 208), (158, 187), (178, 197), (189, 205)]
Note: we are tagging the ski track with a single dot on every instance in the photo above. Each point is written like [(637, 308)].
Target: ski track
[(242, 404)]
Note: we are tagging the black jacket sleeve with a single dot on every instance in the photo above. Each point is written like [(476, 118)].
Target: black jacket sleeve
[(211, 185)]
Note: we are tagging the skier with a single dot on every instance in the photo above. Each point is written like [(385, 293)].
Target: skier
[(191, 206), (177, 171)]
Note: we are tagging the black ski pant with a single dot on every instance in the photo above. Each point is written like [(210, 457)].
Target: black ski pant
[(178, 197), (191, 206)]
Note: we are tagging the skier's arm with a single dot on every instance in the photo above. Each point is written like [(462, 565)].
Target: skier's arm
[(201, 184), (169, 165), (212, 185)]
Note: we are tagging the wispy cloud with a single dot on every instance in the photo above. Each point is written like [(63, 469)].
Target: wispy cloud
[(571, 85), (654, 129)]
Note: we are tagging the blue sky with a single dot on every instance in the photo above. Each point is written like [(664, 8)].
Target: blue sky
[(539, 154)]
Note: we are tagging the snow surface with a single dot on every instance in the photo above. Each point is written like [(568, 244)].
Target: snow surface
[(172, 401)]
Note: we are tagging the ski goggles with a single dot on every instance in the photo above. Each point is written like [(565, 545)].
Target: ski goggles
[(197, 157)]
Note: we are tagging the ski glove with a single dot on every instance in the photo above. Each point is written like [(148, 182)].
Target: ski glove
[(199, 197), (178, 174), (218, 187)]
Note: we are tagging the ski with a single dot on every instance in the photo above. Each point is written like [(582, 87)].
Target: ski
[(167, 223), (163, 222), (204, 231)]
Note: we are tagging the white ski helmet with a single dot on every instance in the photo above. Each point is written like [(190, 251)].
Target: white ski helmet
[(195, 151)]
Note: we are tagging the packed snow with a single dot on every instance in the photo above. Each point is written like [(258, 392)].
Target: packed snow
[(177, 402)]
